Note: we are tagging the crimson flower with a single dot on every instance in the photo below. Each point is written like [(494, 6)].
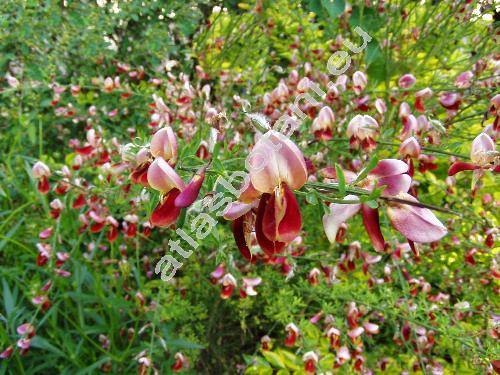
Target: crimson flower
[(483, 156), (417, 224), (267, 202)]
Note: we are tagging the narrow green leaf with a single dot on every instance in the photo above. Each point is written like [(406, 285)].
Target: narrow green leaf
[(8, 299), (311, 198), (340, 179), (371, 164)]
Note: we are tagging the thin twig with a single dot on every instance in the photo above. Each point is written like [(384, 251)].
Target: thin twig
[(358, 191)]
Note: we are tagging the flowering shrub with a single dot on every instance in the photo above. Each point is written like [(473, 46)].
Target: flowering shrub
[(238, 207)]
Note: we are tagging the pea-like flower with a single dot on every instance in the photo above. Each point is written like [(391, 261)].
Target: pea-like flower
[(267, 202)]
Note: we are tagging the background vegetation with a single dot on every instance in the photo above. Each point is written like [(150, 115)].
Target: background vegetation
[(241, 50)]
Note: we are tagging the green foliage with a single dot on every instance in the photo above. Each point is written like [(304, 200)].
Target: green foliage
[(58, 43)]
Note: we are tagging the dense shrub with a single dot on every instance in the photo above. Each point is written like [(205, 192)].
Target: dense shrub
[(367, 243)]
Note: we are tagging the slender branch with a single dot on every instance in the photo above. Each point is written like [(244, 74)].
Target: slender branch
[(429, 149), (358, 191)]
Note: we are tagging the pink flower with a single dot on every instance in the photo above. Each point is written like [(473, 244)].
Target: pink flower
[(228, 283), (109, 84), (404, 110), (180, 362), (419, 98), (343, 356), (276, 167), (410, 127), (248, 286), (46, 233), (41, 172), (26, 329), (415, 223), (483, 156), (315, 319), (359, 80), (410, 148), (483, 150), (362, 130), (293, 333), (380, 106), (323, 124), (187, 197), (24, 344), (313, 276), (303, 85), (7, 352), (371, 328), (218, 272), (464, 79), (310, 361), (450, 100), (175, 195), (355, 333), (333, 335), (407, 81)]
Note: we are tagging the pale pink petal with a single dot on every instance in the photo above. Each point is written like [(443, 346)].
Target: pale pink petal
[(291, 163), (389, 167), (162, 177), (343, 353), (339, 213), (325, 119), (252, 281), (218, 272), (418, 224), (164, 144), (400, 183), (262, 165), (46, 233), (464, 79), (410, 147), (275, 159), (356, 332), (380, 106), (404, 110), (371, 328), (237, 209), (407, 81), (40, 170), (481, 145)]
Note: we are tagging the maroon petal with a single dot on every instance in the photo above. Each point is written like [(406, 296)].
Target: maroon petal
[(192, 190), (269, 224), (372, 226), (140, 175), (460, 166), (79, 202), (43, 185), (112, 233), (97, 227), (290, 225), (166, 213), (268, 246), (239, 237), (414, 250), (86, 150)]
